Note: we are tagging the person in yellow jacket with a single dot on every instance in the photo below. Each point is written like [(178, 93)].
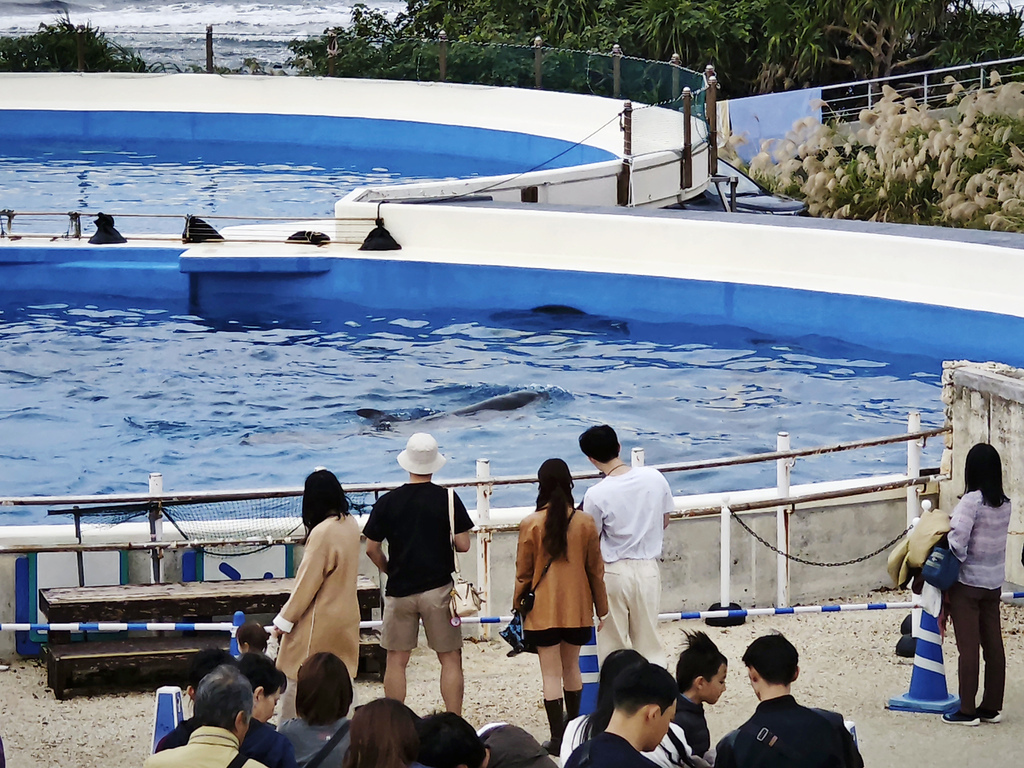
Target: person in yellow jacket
[(223, 706)]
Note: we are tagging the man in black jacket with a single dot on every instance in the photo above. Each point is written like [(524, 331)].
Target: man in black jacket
[(781, 733)]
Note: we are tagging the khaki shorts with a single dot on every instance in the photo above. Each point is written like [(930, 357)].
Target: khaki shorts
[(402, 615)]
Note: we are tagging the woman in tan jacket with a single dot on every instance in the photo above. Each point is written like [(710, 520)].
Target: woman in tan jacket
[(322, 613), (559, 561)]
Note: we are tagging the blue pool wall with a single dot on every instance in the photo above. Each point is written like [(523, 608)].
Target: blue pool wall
[(520, 151)]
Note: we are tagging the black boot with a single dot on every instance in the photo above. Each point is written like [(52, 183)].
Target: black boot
[(556, 721), (572, 704)]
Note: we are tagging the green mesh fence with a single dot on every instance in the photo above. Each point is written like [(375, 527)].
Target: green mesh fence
[(517, 66)]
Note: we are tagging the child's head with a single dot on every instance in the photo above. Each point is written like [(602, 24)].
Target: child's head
[(268, 683), (252, 637), (645, 697), (701, 670), (771, 661)]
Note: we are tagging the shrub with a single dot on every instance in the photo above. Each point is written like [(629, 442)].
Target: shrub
[(54, 48), (962, 166)]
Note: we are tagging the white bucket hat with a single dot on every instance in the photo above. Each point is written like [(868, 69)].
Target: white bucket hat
[(421, 456)]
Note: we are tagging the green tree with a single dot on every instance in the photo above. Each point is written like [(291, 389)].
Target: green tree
[(54, 48)]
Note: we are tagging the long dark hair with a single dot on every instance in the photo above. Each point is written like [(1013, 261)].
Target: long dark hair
[(614, 665), (983, 471), (322, 497), (555, 493), (383, 735)]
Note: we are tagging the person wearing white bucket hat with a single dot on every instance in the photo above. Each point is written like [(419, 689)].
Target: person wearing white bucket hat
[(419, 563)]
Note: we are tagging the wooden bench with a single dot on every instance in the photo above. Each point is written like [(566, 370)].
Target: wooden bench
[(190, 601)]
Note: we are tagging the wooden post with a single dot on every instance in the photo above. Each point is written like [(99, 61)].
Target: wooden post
[(538, 62), (442, 56), (677, 65), (712, 112), (332, 52), (627, 152), (616, 71), (80, 43), (209, 49), (686, 178)]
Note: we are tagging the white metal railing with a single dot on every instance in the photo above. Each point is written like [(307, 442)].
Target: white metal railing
[(783, 501), (844, 101)]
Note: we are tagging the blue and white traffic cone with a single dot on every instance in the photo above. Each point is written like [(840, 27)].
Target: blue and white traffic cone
[(928, 692), (167, 714), (590, 671)]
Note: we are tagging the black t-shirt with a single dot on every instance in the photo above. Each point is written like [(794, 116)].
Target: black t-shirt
[(413, 520), (606, 750)]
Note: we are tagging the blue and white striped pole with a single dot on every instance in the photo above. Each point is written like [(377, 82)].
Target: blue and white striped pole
[(590, 671), (236, 621)]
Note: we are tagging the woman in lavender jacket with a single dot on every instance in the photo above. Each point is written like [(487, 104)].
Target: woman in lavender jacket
[(978, 539)]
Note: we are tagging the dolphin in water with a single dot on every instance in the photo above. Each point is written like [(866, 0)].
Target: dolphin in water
[(512, 401)]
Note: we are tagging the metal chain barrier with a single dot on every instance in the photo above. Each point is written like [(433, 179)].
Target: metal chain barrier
[(803, 561)]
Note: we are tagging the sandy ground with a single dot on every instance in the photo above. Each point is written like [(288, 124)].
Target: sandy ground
[(847, 664)]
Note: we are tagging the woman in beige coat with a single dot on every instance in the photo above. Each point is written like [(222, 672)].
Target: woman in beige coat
[(559, 560), (322, 613)]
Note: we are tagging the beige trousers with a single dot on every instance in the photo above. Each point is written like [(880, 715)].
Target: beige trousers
[(634, 595)]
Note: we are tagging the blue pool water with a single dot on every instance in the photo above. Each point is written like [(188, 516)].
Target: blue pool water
[(97, 394)]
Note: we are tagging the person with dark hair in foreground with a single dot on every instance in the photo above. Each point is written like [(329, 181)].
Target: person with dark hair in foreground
[(645, 702), (448, 741), (781, 733), (700, 675), (631, 506), (322, 701), (202, 664), (263, 742), (977, 538), (671, 752), (322, 613), (383, 735), (509, 746), (223, 710)]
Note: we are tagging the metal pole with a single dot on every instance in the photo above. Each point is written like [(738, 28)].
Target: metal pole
[(913, 465), (80, 43), (156, 524), (538, 62), (209, 49), (616, 71), (442, 55), (726, 559), (483, 538), (869, 94), (782, 467), (79, 556), (332, 52), (926, 89), (627, 152), (677, 64), (711, 105), (733, 183), (686, 179)]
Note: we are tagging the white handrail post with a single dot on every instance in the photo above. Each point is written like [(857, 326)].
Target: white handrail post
[(156, 525), (926, 89), (726, 555), (913, 465), (483, 538), (636, 457), (782, 473)]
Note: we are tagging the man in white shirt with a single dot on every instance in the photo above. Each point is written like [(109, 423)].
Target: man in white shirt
[(631, 506)]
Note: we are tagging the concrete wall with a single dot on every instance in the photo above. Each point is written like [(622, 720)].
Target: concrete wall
[(984, 403)]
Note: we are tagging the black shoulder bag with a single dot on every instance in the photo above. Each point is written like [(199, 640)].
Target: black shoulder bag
[(327, 748)]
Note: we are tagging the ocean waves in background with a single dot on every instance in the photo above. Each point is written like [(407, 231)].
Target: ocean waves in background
[(174, 34)]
